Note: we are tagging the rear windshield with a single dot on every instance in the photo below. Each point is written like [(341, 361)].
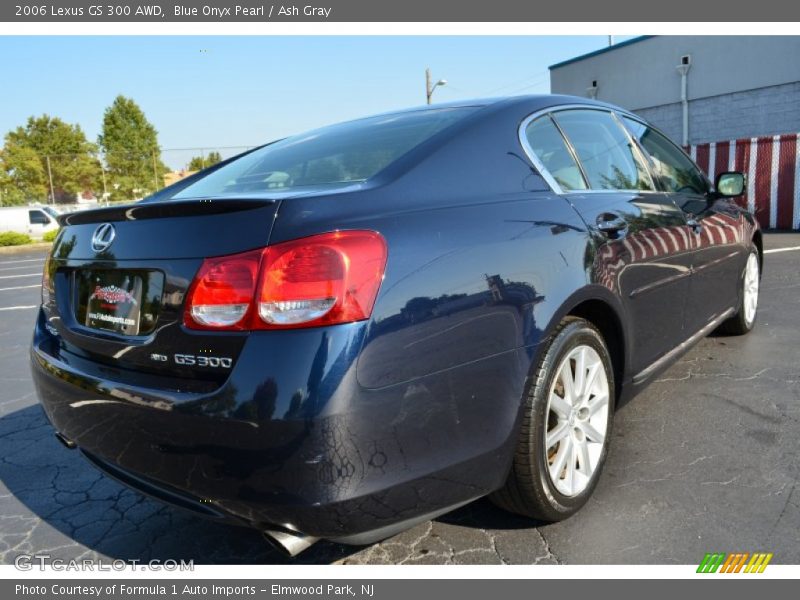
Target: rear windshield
[(340, 154)]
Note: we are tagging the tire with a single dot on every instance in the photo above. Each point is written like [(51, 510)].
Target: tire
[(747, 309), (532, 489)]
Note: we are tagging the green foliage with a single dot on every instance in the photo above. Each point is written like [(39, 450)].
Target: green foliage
[(133, 157), (22, 176), (47, 145), (50, 236), (12, 238), (199, 162), (24, 167)]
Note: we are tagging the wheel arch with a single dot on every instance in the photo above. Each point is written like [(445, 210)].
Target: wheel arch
[(758, 240), (602, 309)]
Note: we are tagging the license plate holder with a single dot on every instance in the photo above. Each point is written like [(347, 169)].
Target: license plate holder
[(111, 300)]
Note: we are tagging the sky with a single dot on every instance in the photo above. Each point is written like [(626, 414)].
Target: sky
[(218, 91)]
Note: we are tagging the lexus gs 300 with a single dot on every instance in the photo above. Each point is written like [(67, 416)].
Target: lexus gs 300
[(346, 332)]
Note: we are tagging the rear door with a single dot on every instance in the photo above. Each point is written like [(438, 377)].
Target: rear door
[(714, 233), (637, 229)]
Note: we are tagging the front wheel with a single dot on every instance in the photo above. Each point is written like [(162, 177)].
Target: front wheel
[(566, 427), (745, 318)]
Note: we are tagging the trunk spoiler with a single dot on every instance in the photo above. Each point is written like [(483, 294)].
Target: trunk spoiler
[(156, 210)]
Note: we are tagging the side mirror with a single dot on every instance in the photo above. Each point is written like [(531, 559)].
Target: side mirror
[(730, 184)]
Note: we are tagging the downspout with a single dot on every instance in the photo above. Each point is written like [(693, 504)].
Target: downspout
[(591, 91), (684, 71)]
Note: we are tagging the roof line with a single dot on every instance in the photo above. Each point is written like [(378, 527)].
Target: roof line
[(635, 40)]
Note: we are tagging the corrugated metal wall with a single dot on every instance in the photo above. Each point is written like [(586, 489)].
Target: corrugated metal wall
[(772, 166)]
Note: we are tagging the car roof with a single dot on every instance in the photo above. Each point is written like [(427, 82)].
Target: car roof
[(534, 101), (523, 104)]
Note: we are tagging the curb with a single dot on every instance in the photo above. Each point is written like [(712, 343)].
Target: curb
[(24, 248)]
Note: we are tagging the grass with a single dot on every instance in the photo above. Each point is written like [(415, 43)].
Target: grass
[(50, 236), (12, 238)]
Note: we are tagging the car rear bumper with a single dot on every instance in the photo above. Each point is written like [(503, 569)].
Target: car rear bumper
[(291, 440)]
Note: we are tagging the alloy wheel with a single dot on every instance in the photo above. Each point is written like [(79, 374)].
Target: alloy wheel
[(751, 282), (577, 420)]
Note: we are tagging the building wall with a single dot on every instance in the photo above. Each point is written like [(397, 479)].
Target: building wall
[(763, 111), (668, 118), (740, 86), (752, 113)]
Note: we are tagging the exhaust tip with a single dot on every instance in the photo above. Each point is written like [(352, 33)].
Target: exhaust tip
[(289, 543), (65, 440)]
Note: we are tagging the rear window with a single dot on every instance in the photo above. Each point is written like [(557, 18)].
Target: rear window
[(339, 154)]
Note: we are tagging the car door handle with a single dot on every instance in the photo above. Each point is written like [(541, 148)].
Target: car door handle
[(611, 224)]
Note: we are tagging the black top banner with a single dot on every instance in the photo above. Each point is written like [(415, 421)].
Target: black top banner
[(250, 11)]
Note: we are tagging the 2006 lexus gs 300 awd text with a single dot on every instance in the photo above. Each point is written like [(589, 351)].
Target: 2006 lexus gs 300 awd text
[(343, 333)]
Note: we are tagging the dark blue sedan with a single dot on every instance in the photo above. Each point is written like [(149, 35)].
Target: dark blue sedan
[(346, 332)]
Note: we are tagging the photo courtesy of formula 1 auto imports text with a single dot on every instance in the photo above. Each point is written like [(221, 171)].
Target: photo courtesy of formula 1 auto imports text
[(376, 300)]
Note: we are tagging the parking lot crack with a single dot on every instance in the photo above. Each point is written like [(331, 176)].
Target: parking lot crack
[(700, 459), (728, 482), (783, 510), (549, 554)]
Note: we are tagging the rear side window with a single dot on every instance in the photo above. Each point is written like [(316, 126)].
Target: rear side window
[(548, 145), (607, 156), (37, 217), (674, 170), (340, 154)]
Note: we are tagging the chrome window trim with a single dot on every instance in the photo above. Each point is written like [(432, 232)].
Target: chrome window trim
[(680, 148), (526, 147), (554, 185), (645, 161), (573, 153)]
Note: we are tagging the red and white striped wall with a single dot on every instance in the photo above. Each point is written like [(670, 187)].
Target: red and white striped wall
[(772, 166)]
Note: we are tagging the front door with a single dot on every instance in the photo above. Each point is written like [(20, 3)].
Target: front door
[(713, 228), (645, 263)]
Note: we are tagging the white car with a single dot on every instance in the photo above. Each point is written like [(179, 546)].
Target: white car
[(33, 220)]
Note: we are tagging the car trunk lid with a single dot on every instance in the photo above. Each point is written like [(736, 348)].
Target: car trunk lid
[(116, 281)]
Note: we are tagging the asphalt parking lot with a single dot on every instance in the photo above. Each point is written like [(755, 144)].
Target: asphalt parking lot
[(705, 460)]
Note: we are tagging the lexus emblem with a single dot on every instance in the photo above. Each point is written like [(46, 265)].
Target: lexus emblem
[(103, 237)]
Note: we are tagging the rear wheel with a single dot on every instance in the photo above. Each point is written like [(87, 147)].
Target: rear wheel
[(745, 318), (566, 427)]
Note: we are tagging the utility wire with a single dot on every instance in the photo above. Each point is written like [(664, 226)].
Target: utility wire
[(537, 76)]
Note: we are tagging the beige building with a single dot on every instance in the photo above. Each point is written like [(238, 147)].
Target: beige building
[(176, 176)]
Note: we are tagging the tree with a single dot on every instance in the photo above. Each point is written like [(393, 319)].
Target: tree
[(133, 156), (22, 177), (199, 162), (24, 161)]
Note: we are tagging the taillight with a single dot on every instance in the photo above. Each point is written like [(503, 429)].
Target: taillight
[(319, 280), (46, 282), (222, 292)]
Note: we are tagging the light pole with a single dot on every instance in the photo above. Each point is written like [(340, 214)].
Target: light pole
[(105, 189), (50, 176), (429, 89), (155, 171)]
